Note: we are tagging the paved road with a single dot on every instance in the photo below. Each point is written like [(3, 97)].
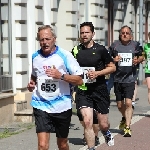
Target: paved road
[(140, 131)]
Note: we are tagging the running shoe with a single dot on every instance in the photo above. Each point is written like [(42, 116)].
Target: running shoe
[(127, 132)]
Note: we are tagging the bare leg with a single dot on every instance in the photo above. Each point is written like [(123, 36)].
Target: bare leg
[(62, 143), (121, 107), (148, 86), (135, 92), (95, 127), (128, 111), (43, 141), (87, 114)]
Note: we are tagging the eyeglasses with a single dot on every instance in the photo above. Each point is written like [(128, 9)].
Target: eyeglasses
[(123, 33)]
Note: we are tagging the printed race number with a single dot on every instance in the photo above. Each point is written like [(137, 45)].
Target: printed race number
[(126, 59), (48, 87), (85, 76)]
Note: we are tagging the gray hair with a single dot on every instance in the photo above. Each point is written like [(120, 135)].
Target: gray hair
[(46, 27)]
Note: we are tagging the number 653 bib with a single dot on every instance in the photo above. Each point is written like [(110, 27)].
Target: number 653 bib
[(48, 87)]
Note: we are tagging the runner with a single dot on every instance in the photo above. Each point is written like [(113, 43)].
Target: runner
[(147, 66), (127, 55), (96, 63), (53, 69)]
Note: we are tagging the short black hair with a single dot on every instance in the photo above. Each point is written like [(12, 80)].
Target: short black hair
[(89, 24)]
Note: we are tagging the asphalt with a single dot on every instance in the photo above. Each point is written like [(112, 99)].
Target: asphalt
[(27, 140)]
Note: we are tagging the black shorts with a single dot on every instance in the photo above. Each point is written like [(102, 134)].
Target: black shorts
[(147, 75), (46, 122), (124, 90), (95, 97)]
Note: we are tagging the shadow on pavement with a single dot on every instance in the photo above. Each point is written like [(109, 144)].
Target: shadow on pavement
[(116, 131), (145, 115), (75, 141)]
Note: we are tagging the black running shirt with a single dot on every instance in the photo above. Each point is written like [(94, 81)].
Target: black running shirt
[(97, 56)]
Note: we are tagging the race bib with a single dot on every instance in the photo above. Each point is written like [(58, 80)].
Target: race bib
[(48, 87), (148, 60), (85, 76), (126, 59)]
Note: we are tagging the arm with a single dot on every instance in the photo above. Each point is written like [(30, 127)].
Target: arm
[(33, 78), (113, 53), (73, 79), (110, 68), (74, 69), (139, 57)]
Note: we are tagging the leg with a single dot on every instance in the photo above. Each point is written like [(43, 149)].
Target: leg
[(95, 127), (62, 123), (44, 125), (120, 103), (104, 126), (43, 140), (128, 111), (148, 86), (121, 106), (87, 114), (62, 143), (134, 96), (128, 92), (103, 121), (101, 105)]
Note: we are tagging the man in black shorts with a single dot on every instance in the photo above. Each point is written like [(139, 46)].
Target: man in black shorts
[(95, 125), (93, 94), (127, 55), (50, 83)]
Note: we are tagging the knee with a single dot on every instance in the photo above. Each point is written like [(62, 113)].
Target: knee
[(129, 104), (104, 126), (63, 144), (43, 145), (87, 123), (120, 106)]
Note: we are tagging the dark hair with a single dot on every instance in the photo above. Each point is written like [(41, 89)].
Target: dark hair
[(123, 28), (89, 24)]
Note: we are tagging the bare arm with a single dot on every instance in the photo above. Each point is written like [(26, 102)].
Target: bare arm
[(110, 68), (73, 79), (33, 78)]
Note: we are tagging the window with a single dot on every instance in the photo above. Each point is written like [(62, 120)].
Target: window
[(5, 48)]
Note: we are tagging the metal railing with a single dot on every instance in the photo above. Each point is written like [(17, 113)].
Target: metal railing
[(5, 83)]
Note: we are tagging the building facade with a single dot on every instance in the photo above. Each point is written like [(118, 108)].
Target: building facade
[(20, 19)]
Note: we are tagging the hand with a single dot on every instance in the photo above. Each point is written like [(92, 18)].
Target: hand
[(135, 60), (117, 58), (31, 86), (92, 74), (53, 72)]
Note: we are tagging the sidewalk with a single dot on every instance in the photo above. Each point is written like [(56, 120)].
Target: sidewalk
[(139, 140)]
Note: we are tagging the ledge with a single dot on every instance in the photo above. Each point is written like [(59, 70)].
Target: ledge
[(6, 95), (24, 112)]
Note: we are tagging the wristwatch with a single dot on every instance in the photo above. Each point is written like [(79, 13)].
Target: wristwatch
[(62, 77)]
